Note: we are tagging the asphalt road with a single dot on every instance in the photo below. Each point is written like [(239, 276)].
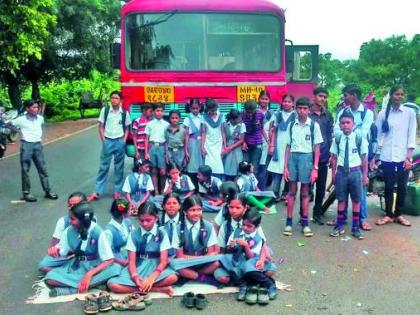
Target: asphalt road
[(379, 275)]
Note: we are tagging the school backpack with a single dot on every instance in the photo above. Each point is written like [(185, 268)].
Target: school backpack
[(312, 129), (123, 117)]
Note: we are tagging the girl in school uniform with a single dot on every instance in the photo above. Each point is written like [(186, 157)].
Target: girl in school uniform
[(175, 140), (192, 125), (147, 247), (196, 244), (170, 218), (278, 143), (247, 182), (208, 188), (233, 138), (53, 259), (138, 185), (93, 261), (178, 183), (227, 191), (212, 140), (118, 230), (264, 108)]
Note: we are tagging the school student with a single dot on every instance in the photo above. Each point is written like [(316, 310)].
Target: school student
[(178, 183), (93, 260), (170, 219), (233, 138), (53, 259), (118, 230), (147, 246), (323, 117), (155, 145), (278, 141), (397, 130), (211, 137), (209, 189), (254, 135), (139, 128), (301, 163), (192, 125), (113, 127), (349, 161), (175, 140), (138, 185), (31, 149)]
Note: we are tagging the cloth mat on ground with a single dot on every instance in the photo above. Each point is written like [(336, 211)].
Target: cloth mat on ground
[(41, 295)]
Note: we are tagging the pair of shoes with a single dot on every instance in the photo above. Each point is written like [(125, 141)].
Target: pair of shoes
[(92, 197), (133, 302), (317, 219), (29, 198), (357, 233), (51, 195), (58, 291), (241, 293), (288, 230), (307, 232), (256, 295), (337, 231), (365, 226), (97, 303), (191, 300)]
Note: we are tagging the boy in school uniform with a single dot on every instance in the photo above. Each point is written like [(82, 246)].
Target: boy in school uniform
[(349, 171), (113, 127), (155, 146), (139, 130), (301, 163)]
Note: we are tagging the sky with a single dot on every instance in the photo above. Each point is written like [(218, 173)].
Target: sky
[(341, 27)]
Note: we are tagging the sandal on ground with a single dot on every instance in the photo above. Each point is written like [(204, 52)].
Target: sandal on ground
[(104, 301), (384, 220), (132, 302), (90, 305), (365, 226), (403, 221)]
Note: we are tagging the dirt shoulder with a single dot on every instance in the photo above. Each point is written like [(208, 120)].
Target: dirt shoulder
[(56, 131)]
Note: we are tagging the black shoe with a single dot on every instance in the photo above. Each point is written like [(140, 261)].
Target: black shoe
[(317, 219), (51, 195), (29, 198)]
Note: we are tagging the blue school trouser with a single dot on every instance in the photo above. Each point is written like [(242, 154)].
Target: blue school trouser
[(111, 148)]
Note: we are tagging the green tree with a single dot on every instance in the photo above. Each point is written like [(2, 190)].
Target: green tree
[(330, 71), (24, 29)]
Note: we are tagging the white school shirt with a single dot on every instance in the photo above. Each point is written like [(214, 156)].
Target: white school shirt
[(401, 135), (240, 181), (139, 177), (354, 157), (120, 227), (203, 190), (60, 227), (178, 183), (113, 126), (301, 134), (104, 247), (242, 128), (359, 124), (218, 219), (155, 130), (30, 127), (257, 248), (197, 120), (154, 232), (222, 232), (195, 230)]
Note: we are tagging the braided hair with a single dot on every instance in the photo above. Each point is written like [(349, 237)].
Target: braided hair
[(385, 124), (83, 211)]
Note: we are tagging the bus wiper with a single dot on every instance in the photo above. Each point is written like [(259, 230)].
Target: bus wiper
[(166, 17)]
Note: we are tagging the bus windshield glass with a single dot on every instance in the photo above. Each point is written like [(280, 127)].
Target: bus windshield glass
[(173, 41)]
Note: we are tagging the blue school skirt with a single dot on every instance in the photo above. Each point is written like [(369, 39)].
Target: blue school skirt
[(196, 159), (71, 273), (145, 267), (207, 207), (182, 263), (52, 262)]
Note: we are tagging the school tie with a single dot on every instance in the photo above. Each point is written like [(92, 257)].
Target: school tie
[(171, 230), (237, 229), (346, 156), (143, 243), (191, 239)]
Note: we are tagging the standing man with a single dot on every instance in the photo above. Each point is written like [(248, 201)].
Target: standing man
[(30, 125), (323, 117), (114, 125)]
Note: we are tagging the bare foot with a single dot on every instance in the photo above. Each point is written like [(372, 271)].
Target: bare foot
[(167, 290)]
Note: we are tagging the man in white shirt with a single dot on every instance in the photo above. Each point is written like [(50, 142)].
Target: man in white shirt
[(30, 125)]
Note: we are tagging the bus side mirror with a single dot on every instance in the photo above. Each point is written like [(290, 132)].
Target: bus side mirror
[(115, 55)]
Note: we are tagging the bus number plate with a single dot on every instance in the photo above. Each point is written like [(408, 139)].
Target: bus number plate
[(162, 94), (249, 92)]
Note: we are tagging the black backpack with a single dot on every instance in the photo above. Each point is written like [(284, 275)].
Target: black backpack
[(123, 117)]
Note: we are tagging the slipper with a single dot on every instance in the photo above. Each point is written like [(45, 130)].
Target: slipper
[(403, 221), (365, 226), (384, 220)]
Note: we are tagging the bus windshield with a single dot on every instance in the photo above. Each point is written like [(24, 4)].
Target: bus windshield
[(203, 42)]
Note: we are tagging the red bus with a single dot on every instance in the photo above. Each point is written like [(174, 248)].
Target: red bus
[(175, 50)]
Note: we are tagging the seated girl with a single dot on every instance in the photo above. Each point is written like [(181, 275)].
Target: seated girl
[(147, 246), (170, 218), (53, 259), (209, 189), (177, 182), (92, 263)]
